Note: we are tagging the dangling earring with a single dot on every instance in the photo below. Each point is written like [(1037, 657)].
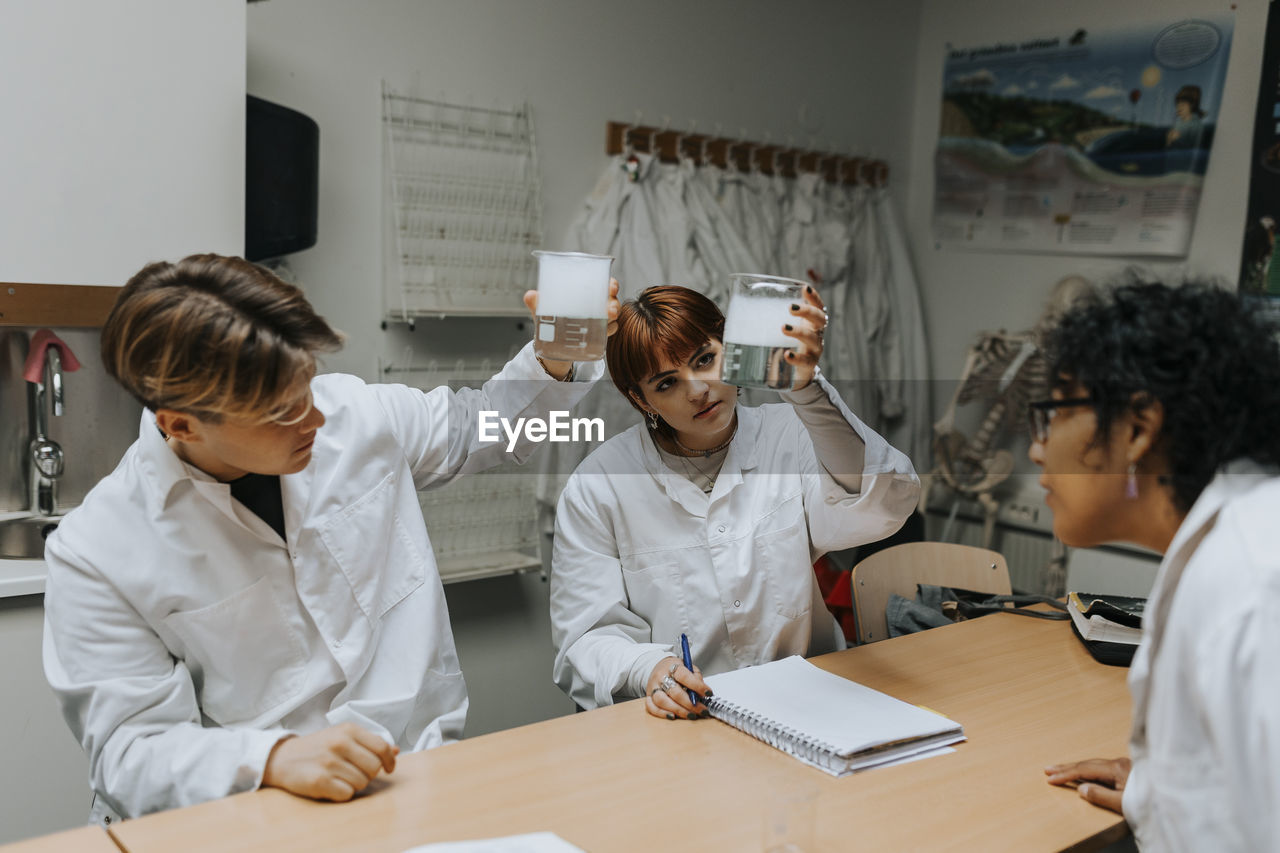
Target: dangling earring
[(739, 390), (653, 419), (1131, 485)]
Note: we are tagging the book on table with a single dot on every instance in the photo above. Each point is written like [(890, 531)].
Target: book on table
[(1121, 609), (1108, 619), (829, 722)]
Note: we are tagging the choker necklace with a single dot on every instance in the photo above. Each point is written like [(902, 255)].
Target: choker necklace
[(705, 453)]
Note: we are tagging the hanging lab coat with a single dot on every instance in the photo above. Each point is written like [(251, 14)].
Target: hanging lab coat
[(907, 366), (720, 246), (674, 228), (870, 302), (642, 554), (184, 637), (616, 220), (800, 240), (1206, 680), (764, 218)]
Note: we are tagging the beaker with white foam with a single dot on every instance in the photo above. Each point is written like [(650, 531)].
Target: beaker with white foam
[(573, 306), (755, 347)]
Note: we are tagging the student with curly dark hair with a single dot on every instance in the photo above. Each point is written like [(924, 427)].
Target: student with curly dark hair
[(1163, 429)]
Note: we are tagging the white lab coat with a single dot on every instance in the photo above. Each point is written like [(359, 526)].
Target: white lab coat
[(721, 247), (1206, 680), (906, 366), (764, 218), (184, 637), (664, 187), (617, 219), (642, 554)]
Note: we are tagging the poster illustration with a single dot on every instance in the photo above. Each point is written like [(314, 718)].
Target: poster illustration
[(1082, 142), (1260, 261)]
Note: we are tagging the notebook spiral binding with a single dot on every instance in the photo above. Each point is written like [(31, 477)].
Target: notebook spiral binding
[(764, 729)]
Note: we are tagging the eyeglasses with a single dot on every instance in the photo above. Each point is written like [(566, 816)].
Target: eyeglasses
[(1042, 412)]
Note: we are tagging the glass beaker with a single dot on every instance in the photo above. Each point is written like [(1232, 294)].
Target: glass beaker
[(755, 347), (573, 306)]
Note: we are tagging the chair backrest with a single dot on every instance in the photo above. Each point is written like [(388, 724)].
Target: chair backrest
[(900, 568)]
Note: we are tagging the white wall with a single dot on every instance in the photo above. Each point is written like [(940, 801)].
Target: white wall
[(821, 73), (123, 143), (124, 136), (824, 74)]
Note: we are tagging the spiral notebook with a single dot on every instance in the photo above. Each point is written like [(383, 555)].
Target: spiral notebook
[(832, 723)]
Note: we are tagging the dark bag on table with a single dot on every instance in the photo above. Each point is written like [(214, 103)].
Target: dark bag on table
[(939, 605)]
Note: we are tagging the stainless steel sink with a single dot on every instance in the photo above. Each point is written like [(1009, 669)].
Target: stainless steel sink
[(23, 538)]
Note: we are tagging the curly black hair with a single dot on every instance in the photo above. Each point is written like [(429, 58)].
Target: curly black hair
[(1212, 364)]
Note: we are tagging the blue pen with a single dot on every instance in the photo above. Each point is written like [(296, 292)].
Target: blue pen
[(688, 664)]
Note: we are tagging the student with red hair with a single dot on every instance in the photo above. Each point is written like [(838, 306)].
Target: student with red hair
[(707, 519)]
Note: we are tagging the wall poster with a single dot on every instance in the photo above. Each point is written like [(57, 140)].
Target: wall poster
[(1260, 261), (1085, 142)]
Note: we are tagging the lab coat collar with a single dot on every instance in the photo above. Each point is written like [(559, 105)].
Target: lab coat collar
[(162, 466), (166, 471), (743, 455), (1233, 480)]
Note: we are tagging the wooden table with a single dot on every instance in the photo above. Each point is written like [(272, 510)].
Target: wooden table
[(88, 839), (1025, 690)]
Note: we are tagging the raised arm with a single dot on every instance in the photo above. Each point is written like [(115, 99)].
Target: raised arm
[(440, 431), (858, 488)]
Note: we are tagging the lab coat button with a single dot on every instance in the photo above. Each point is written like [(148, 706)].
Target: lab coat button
[(737, 603), (720, 528)]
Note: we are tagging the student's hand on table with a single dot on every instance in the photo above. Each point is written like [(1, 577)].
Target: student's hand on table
[(1100, 781), (560, 369), (670, 699), (331, 764), (810, 334)]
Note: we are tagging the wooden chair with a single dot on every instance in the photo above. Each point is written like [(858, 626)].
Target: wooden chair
[(900, 568)]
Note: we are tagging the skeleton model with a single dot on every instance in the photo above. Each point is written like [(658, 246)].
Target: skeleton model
[(1002, 372)]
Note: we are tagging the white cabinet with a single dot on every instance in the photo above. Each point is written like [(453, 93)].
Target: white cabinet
[(124, 136), (46, 778)]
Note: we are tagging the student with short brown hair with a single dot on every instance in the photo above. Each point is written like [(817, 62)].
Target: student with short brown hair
[(250, 598)]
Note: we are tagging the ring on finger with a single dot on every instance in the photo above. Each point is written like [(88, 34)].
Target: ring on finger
[(659, 689), (673, 669), (667, 683)]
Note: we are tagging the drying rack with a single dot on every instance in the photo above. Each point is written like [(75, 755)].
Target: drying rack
[(483, 524), (462, 210)]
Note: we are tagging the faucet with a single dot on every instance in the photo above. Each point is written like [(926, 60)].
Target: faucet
[(44, 453)]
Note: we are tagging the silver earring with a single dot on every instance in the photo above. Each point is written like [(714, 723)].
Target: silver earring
[(653, 419)]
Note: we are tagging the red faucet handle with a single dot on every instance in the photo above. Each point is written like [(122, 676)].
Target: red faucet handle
[(33, 369)]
